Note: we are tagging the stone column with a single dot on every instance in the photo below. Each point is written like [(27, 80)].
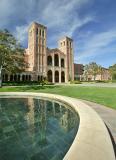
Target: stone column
[(53, 70), (53, 77), (59, 68)]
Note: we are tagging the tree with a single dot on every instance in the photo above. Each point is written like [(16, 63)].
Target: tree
[(113, 71), (86, 70), (11, 54), (92, 69)]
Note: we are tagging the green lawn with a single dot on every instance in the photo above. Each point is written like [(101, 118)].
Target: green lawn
[(105, 96)]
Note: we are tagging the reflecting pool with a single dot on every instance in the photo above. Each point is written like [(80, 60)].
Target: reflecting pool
[(35, 129)]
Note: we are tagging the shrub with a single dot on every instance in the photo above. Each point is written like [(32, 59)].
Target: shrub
[(102, 81), (75, 82)]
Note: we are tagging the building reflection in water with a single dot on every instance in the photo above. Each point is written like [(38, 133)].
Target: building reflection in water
[(39, 111), (38, 127)]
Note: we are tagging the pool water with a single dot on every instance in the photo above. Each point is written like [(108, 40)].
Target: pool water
[(35, 129)]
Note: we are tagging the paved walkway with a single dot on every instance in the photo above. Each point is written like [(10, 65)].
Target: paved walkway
[(90, 84), (107, 114)]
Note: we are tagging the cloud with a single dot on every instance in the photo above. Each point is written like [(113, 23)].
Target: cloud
[(61, 17), (97, 45), (61, 12), (21, 33)]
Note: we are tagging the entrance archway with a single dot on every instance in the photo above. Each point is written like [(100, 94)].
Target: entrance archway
[(56, 76), (49, 75), (62, 76)]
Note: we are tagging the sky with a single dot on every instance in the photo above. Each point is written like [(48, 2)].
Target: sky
[(90, 23)]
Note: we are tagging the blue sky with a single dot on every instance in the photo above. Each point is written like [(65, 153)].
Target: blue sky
[(91, 24)]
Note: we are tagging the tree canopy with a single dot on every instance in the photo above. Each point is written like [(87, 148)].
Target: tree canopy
[(92, 69), (113, 71), (11, 54)]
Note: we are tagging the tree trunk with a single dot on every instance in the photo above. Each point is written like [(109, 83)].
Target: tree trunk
[(0, 76)]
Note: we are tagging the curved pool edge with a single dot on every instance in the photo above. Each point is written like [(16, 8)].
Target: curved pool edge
[(92, 140)]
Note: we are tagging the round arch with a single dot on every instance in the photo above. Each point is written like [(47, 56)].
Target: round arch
[(49, 60), (56, 76), (18, 77), (29, 77), (62, 62), (11, 77), (62, 76), (56, 60), (23, 77), (49, 76)]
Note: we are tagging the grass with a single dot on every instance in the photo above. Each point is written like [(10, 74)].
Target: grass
[(103, 95)]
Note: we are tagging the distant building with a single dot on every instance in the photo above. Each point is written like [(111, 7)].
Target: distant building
[(78, 71), (103, 76)]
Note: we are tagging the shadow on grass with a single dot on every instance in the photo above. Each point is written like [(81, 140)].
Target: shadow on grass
[(28, 88), (37, 87)]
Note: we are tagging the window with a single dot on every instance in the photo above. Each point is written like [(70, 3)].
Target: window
[(40, 32), (43, 33), (49, 60), (36, 31), (64, 43), (67, 43), (62, 62), (56, 60)]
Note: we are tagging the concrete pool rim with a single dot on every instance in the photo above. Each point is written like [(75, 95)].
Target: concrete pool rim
[(92, 141)]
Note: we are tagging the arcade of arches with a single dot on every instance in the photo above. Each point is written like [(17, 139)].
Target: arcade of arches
[(16, 77), (54, 77), (55, 61)]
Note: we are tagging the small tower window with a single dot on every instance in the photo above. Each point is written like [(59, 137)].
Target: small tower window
[(67, 43), (61, 43), (40, 32), (64, 43), (43, 33), (36, 31), (70, 44)]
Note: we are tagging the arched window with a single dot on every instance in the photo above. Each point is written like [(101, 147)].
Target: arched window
[(18, 78), (15, 77), (36, 31), (39, 78), (6, 77), (62, 62), (49, 60), (56, 76), (43, 33), (3, 77), (40, 32), (26, 77), (29, 77), (11, 77), (56, 60), (23, 77), (49, 76), (62, 76)]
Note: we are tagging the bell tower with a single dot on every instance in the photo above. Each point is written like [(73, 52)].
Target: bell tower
[(37, 48), (66, 46)]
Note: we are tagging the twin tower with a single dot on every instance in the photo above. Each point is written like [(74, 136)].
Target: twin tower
[(56, 65)]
